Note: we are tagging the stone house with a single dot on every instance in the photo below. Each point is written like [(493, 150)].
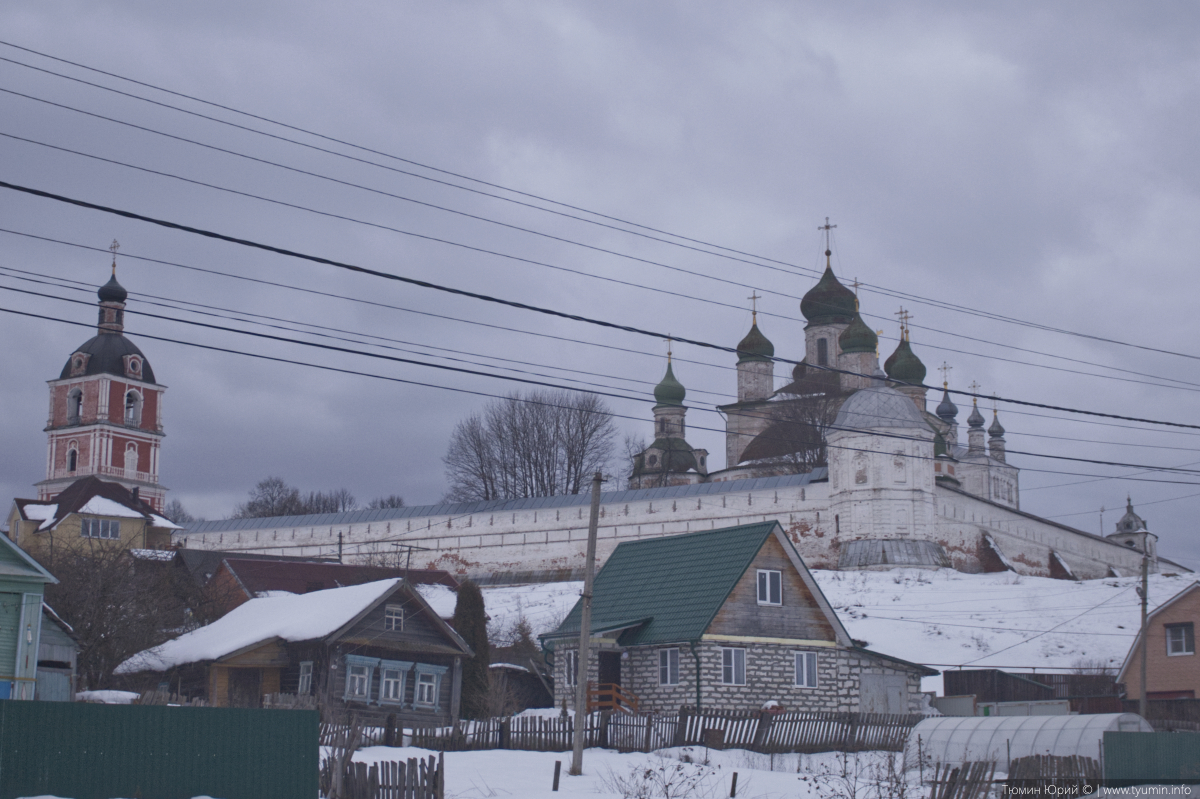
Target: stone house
[(377, 648), (1172, 668), (725, 619), (88, 513)]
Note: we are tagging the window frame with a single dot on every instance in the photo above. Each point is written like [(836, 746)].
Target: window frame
[(304, 683), (668, 666), (805, 676), (100, 529), (356, 673), (730, 665), (770, 590), (386, 682), (389, 619), (426, 682), (1186, 642)]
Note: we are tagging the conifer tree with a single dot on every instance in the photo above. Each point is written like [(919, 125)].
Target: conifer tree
[(470, 621)]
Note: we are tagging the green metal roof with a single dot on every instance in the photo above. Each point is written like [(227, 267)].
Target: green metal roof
[(678, 582)]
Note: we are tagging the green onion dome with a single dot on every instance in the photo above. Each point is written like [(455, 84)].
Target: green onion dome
[(858, 337), (669, 391), (904, 366), (828, 302), (755, 346)]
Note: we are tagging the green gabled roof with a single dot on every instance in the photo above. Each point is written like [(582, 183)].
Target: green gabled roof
[(678, 582)]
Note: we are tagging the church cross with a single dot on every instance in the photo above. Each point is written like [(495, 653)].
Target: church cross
[(113, 248), (668, 340), (827, 227), (945, 370), (878, 334), (904, 316), (754, 298), (974, 390)]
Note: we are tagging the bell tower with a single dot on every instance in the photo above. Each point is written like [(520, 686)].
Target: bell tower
[(106, 410)]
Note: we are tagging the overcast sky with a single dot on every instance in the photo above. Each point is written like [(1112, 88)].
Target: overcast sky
[(1029, 161)]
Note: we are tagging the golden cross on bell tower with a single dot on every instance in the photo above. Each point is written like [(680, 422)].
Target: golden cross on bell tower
[(754, 298), (113, 248), (856, 284), (945, 370), (904, 316), (668, 340), (827, 228)]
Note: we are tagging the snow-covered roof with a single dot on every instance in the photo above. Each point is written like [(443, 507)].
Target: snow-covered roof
[(441, 599), (93, 497), (103, 506), (302, 617)]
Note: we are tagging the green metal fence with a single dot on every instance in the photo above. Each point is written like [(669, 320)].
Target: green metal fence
[(1140, 758), (100, 751)]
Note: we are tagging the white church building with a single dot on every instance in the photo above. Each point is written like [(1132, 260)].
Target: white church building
[(846, 456)]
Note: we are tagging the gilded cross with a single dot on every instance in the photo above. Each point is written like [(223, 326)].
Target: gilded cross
[(904, 316), (974, 390), (754, 298), (878, 333), (668, 340), (945, 370), (113, 249)]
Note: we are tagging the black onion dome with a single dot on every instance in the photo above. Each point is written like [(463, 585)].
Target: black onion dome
[(947, 410), (828, 302), (904, 366), (108, 353), (997, 429), (755, 346), (112, 291), (976, 418)]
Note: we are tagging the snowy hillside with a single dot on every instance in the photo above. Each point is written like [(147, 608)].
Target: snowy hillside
[(940, 618)]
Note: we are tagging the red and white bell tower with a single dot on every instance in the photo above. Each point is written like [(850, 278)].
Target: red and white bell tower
[(106, 411)]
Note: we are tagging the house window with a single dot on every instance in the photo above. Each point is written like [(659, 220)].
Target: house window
[(733, 666), (426, 684), (358, 682), (304, 687), (393, 618), (100, 528), (1181, 639), (571, 665), (822, 352), (391, 685), (770, 587), (806, 669), (668, 666)]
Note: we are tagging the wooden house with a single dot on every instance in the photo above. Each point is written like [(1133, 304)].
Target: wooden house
[(22, 586), (88, 513), (726, 619), (1172, 668), (372, 647)]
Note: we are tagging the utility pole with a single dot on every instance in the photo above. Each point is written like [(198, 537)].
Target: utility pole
[(1145, 593), (585, 632), (339, 547)]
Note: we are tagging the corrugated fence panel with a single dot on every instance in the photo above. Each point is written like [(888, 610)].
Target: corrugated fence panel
[(1132, 758), (99, 751)]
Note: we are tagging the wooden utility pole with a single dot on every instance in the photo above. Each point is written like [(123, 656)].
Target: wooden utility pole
[(1144, 591), (585, 632)]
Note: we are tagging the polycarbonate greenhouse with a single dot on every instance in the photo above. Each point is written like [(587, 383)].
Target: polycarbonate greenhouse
[(960, 739)]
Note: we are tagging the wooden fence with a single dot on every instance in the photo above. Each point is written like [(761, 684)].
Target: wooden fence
[(414, 779), (759, 731)]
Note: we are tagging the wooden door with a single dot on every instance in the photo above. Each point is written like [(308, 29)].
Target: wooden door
[(610, 668), (245, 688)]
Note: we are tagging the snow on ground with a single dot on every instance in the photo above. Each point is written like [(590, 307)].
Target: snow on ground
[(695, 771), (941, 618)]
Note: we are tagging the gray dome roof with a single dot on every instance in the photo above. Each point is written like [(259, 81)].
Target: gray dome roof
[(879, 406), (112, 291), (108, 351), (976, 418), (997, 429), (947, 410)]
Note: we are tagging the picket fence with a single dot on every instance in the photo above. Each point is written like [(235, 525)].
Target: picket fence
[(414, 779), (760, 731)]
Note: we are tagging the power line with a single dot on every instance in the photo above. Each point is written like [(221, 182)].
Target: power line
[(765, 261), (527, 306), (1008, 347)]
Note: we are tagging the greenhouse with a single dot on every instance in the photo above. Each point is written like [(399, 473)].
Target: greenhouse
[(959, 739)]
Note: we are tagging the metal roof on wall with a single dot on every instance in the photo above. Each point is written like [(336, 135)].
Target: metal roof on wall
[(500, 505)]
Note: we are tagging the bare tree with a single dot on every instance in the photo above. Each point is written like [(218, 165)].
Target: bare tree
[(794, 440), (271, 497), (175, 511), (390, 501), (337, 501), (543, 443)]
